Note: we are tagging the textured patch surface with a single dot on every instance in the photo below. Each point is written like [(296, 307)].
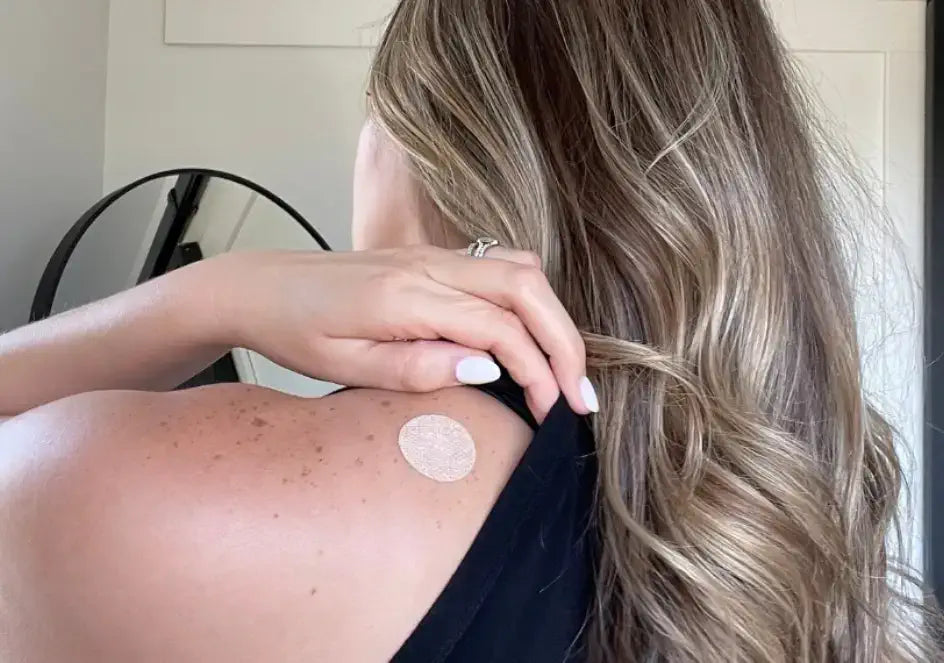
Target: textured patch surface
[(438, 447)]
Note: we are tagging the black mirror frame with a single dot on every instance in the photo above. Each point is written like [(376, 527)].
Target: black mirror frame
[(185, 198)]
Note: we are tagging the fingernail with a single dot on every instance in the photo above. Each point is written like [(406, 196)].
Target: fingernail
[(589, 395), (477, 370)]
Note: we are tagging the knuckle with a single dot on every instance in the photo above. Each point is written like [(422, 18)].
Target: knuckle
[(533, 259), (412, 376), (511, 326), (579, 349), (528, 281)]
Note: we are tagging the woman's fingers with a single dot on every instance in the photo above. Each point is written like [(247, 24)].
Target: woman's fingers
[(501, 305), (424, 366), (476, 323), (513, 280), (412, 366), (436, 310)]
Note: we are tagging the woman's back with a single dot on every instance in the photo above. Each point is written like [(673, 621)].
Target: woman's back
[(232, 523)]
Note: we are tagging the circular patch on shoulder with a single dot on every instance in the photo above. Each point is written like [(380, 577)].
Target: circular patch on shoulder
[(438, 447)]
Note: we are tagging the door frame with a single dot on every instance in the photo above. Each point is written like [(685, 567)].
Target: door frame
[(933, 428)]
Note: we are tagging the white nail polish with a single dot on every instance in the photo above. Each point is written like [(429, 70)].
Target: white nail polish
[(589, 395), (477, 370)]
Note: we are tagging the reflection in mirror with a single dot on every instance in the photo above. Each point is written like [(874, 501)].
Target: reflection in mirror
[(174, 221), (110, 256), (234, 218)]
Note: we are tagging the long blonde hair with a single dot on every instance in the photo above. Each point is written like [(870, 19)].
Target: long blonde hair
[(661, 159)]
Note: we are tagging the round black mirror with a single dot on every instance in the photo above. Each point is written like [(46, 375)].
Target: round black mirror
[(163, 222)]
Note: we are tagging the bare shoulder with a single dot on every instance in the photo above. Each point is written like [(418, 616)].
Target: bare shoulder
[(234, 523)]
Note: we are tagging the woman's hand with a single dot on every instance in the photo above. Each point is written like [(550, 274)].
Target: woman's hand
[(403, 319)]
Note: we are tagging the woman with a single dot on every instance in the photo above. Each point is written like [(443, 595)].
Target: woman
[(732, 503)]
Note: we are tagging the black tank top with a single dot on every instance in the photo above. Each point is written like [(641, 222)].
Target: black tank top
[(524, 590)]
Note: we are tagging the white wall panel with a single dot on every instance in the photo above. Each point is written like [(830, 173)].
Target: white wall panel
[(275, 22), (865, 61), (851, 87), (851, 25)]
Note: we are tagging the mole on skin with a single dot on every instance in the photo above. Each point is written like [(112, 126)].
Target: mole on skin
[(438, 447)]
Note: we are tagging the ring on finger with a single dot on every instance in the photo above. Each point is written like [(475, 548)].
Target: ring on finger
[(481, 246)]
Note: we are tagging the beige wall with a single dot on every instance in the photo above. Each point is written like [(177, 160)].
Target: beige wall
[(287, 118), (52, 110), (865, 60)]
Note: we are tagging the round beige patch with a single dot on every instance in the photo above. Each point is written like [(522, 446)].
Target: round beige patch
[(438, 447)]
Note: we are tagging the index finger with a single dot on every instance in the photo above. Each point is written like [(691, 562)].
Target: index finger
[(514, 280)]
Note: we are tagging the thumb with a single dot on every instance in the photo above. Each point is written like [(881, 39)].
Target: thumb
[(424, 366)]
